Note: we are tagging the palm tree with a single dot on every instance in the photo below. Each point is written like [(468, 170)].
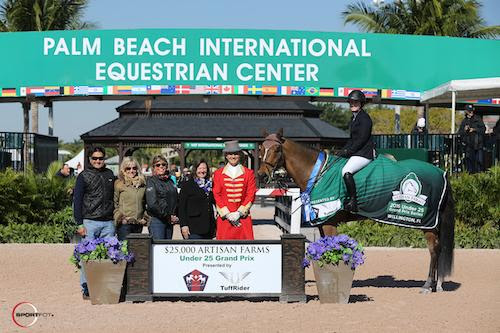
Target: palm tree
[(456, 18), (42, 15)]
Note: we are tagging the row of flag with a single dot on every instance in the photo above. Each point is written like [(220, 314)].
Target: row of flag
[(216, 90)]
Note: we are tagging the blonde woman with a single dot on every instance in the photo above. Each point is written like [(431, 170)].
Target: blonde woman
[(129, 199)]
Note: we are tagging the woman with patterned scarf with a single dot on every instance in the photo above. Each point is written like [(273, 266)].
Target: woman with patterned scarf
[(129, 199), (196, 213)]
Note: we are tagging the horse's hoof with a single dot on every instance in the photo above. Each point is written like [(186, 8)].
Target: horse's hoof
[(439, 289), (425, 290)]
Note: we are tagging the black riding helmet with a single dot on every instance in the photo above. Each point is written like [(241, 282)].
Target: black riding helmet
[(357, 95)]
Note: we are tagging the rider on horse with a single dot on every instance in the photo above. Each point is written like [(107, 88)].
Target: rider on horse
[(360, 149)]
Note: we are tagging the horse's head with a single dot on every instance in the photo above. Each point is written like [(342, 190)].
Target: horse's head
[(271, 155)]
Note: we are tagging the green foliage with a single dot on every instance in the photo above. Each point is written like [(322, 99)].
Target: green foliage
[(335, 115), (378, 234), (32, 233), (31, 198), (477, 198), (43, 15), (74, 147), (457, 18)]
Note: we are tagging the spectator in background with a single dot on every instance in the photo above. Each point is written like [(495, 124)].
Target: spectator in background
[(471, 134), (420, 134), (64, 172), (186, 175), (129, 199), (196, 213), (79, 168), (93, 203), (161, 200), (234, 192)]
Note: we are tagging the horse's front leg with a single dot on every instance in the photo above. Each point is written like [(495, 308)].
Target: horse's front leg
[(432, 245)]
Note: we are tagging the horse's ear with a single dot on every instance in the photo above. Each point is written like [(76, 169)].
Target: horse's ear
[(264, 133), (280, 133)]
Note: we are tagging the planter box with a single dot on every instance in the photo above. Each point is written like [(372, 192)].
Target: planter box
[(334, 282), (104, 280)]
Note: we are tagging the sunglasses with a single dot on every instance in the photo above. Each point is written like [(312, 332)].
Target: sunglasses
[(131, 168), (160, 165), (94, 158)]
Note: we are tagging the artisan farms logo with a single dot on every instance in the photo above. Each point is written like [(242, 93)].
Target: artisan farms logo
[(195, 280), (25, 314), (410, 190)]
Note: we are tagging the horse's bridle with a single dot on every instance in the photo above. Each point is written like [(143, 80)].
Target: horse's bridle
[(281, 160)]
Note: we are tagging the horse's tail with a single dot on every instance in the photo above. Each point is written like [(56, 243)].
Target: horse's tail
[(446, 234)]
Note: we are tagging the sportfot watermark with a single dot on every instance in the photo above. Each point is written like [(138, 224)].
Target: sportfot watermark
[(25, 314)]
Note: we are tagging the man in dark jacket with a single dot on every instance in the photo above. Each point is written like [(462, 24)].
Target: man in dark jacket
[(93, 202), (471, 134), (360, 149)]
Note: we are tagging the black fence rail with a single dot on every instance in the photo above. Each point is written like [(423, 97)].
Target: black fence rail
[(19, 149), (446, 151)]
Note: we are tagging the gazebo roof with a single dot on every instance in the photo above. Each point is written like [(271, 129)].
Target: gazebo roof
[(175, 121)]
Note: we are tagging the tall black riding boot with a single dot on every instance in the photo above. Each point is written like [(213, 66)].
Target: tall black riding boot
[(351, 204)]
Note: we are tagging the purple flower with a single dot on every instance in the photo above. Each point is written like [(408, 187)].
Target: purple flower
[(111, 241), (91, 246), (81, 248), (305, 262)]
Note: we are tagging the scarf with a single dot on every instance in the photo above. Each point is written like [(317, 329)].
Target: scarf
[(205, 185), (133, 181)]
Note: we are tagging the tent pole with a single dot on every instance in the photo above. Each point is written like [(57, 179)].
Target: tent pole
[(453, 100)]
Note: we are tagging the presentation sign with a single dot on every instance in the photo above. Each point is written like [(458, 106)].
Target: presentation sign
[(216, 145), (253, 268), (236, 62)]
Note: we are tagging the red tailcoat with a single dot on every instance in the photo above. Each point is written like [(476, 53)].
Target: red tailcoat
[(231, 195)]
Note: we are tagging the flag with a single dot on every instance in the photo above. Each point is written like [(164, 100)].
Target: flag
[(81, 90), (8, 92), (495, 100), (154, 89), (254, 90), (37, 91), (139, 90), (182, 90), (68, 90), (169, 90), (270, 90), (95, 90), (386, 93), (369, 92), (213, 89), (22, 91), (227, 90), (298, 91), (110, 90), (312, 91), (285, 90), (197, 89), (242, 90), (123, 90), (52, 91), (326, 92)]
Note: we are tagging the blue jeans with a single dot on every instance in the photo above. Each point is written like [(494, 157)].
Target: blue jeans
[(95, 229), (159, 229)]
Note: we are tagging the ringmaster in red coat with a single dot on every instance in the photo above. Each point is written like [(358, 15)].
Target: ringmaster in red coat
[(234, 192)]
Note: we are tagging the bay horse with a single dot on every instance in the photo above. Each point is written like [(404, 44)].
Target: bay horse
[(277, 152)]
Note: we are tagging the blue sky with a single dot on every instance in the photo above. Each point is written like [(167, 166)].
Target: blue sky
[(71, 119)]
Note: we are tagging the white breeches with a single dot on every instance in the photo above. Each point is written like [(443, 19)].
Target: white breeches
[(354, 164)]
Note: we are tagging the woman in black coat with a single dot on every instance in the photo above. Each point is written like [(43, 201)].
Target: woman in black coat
[(359, 149), (196, 214)]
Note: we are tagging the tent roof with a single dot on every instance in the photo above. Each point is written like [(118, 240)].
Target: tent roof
[(465, 90), (79, 158)]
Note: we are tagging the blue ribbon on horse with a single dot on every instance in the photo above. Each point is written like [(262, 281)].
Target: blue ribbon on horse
[(309, 213)]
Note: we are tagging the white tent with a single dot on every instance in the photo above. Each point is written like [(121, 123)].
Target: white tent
[(79, 158), (464, 90)]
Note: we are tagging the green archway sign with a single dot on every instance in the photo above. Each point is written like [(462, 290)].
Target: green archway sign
[(236, 62), (215, 145)]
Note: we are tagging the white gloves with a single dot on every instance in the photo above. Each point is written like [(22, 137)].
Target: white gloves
[(234, 218)]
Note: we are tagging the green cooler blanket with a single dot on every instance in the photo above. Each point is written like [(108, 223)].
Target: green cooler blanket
[(407, 193)]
